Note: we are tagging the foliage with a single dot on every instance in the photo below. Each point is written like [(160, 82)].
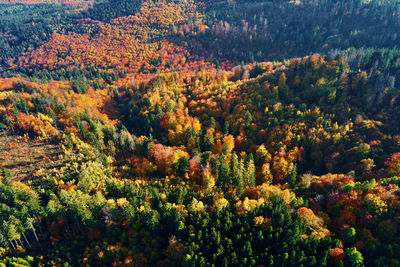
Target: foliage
[(163, 157)]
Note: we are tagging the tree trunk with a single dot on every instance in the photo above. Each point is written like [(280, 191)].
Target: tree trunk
[(21, 243), (39, 224), (12, 244), (34, 232), (29, 244)]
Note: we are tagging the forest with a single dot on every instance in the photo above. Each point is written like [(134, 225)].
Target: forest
[(199, 133)]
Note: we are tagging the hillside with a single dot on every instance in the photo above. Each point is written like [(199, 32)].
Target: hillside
[(187, 133)]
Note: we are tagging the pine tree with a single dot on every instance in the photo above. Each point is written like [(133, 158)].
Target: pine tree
[(223, 172), (208, 141), (241, 182), (226, 127), (250, 173), (212, 123), (182, 166), (292, 178), (247, 119), (235, 173)]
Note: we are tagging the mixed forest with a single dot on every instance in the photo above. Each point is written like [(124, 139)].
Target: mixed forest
[(199, 133)]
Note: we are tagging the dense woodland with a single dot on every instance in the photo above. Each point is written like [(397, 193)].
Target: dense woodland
[(24, 27), (200, 133), (274, 30)]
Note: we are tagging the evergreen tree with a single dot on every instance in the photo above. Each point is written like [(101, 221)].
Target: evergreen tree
[(182, 166), (250, 173), (223, 172), (235, 171), (247, 119), (292, 178), (226, 128)]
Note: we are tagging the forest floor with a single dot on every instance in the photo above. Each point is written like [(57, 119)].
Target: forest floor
[(23, 157)]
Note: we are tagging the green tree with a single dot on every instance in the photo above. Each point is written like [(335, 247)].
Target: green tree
[(354, 257), (226, 128), (223, 172), (235, 170), (247, 119), (91, 177), (250, 172), (292, 178), (182, 166)]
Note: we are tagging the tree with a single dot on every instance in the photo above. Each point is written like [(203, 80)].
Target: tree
[(208, 180), (235, 171), (212, 123), (152, 220), (223, 172), (292, 178), (228, 144), (6, 176), (208, 140), (375, 204), (265, 174), (247, 119), (349, 235), (393, 164), (91, 177), (225, 129), (354, 257), (250, 174), (182, 166), (262, 155), (11, 230), (126, 141)]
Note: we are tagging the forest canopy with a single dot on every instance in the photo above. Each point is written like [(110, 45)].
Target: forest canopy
[(199, 133)]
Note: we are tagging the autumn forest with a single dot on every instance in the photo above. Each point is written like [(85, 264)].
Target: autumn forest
[(199, 133)]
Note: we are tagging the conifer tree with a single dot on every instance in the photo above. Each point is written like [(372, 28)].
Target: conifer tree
[(226, 127), (234, 170), (223, 172), (292, 178), (250, 173)]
